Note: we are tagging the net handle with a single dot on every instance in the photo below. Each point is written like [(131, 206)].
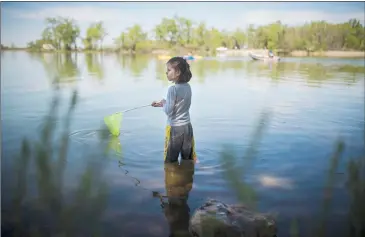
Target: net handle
[(138, 107)]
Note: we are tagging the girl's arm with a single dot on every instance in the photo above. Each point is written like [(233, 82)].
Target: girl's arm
[(169, 103)]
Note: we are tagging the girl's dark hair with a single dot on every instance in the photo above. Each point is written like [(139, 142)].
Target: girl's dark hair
[(179, 63)]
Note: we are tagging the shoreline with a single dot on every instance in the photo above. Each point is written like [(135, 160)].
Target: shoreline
[(303, 53), (238, 53)]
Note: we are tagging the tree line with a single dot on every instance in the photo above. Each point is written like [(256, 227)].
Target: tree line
[(62, 34)]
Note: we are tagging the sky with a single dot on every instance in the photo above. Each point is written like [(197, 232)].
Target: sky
[(22, 22)]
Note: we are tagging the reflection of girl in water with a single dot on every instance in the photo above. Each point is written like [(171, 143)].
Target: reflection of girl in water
[(178, 184)]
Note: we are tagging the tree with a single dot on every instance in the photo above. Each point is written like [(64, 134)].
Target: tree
[(95, 35), (177, 31), (199, 34), (130, 39), (239, 38), (167, 30), (61, 33)]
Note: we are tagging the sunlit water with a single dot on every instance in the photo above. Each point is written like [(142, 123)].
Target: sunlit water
[(312, 102)]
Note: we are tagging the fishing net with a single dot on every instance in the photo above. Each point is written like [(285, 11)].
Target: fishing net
[(113, 122)]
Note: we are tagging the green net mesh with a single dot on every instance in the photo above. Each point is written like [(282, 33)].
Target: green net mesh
[(113, 122)]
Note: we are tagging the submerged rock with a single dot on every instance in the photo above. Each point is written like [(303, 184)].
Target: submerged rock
[(216, 219)]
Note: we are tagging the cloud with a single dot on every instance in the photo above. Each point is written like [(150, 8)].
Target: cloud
[(115, 20), (260, 17), (144, 16), (113, 17), (88, 14)]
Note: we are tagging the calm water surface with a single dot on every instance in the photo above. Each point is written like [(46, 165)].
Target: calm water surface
[(70, 178)]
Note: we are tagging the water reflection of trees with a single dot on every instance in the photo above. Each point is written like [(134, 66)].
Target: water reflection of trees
[(161, 72), (50, 208), (60, 66), (94, 62), (318, 74), (135, 64), (64, 67), (201, 69), (314, 74)]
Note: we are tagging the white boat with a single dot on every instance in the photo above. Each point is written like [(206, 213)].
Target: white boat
[(221, 52), (263, 57)]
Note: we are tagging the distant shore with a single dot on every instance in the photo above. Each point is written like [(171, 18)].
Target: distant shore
[(238, 53), (302, 53), (338, 54)]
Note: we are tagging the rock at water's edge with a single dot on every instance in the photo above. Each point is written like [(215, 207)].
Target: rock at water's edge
[(216, 219)]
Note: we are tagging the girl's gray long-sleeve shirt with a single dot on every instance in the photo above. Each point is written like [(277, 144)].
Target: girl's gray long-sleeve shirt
[(177, 105)]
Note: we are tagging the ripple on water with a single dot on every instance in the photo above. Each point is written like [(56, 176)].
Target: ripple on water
[(208, 162), (138, 164)]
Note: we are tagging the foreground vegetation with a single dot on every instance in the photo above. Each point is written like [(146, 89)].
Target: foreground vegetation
[(181, 33), (235, 167)]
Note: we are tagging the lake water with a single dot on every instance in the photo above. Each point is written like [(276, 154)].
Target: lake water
[(69, 178)]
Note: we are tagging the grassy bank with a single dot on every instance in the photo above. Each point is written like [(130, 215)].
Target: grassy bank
[(13, 49), (339, 54)]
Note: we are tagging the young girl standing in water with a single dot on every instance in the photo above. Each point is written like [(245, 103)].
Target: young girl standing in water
[(179, 132)]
